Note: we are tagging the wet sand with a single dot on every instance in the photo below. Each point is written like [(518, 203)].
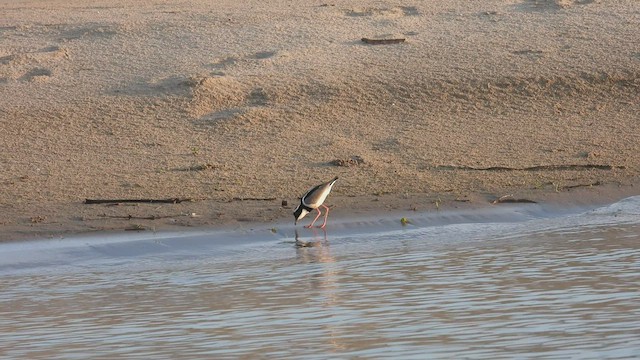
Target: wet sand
[(223, 103)]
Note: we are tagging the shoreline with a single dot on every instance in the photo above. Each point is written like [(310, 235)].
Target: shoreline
[(253, 100), (77, 250), (239, 216)]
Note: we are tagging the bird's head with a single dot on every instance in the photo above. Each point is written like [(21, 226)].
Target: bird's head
[(299, 213)]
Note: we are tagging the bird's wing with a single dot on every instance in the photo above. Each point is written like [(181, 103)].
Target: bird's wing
[(312, 196), (316, 196)]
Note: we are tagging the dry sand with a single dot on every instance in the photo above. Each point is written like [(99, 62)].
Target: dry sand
[(221, 100)]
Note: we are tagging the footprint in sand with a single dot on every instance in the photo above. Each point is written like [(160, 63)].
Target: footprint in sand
[(261, 55), (87, 31), (213, 99), (530, 53), (227, 62), (208, 91), (393, 12), (552, 5), (222, 63), (36, 75), (219, 97), (31, 66)]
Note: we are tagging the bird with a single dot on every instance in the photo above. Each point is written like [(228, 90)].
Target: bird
[(314, 199)]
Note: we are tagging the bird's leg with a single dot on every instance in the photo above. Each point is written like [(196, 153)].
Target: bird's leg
[(326, 214), (314, 220)]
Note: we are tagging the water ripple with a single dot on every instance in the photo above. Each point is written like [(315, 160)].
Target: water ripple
[(544, 289)]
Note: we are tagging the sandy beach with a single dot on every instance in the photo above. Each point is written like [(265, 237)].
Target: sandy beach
[(239, 107)]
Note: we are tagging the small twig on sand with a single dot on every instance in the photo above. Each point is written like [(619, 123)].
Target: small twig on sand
[(252, 199), (382, 41), (597, 183), (112, 201)]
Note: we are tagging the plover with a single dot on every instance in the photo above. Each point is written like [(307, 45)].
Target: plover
[(314, 199)]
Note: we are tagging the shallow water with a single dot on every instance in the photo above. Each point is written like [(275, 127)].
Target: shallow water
[(564, 286)]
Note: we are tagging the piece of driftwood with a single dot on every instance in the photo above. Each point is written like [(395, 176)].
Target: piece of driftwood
[(509, 199), (135, 228), (112, 201), (132, 217), (252, 199), (533, 168), (382, 41)]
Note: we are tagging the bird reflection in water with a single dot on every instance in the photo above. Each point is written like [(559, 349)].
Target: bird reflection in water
[(316, 250)]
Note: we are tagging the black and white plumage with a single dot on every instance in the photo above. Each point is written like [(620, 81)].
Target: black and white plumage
[(313, 200)]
